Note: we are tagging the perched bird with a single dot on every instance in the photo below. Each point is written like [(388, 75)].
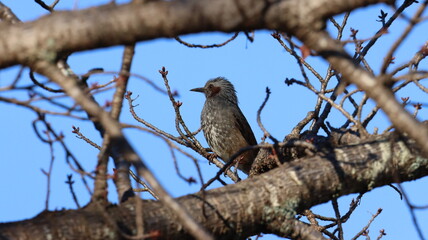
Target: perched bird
[(225, 127)]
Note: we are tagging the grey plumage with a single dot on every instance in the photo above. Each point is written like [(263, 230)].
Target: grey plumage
[(225, 127)]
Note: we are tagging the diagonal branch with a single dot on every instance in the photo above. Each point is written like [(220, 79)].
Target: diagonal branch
[(112, 127)]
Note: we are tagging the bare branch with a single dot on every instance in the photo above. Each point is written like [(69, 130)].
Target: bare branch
[(206, 46)]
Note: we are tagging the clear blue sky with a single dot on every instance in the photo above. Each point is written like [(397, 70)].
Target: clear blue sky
[(250, 66)]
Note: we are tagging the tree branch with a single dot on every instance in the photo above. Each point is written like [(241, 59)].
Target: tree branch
[(257, 201), (71, 31)]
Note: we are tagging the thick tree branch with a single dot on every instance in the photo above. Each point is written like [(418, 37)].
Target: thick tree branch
[(256, 202), (71, 31)]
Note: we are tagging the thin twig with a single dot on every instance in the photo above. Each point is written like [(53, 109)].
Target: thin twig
[(76, 130), (59, 137), (172, 147), (362, 130), (34, 80), (39, 110), (291, 51), (275, 150), (47, 7), (380, 32), (49, 172), (206, 46), (259, 121), (298, 128), (146, 187), (149, 125), (338, 218), (412, 212), (399, 41), (364, 230), (70, 183)]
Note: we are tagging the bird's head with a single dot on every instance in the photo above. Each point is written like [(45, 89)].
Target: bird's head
[(218, 88)]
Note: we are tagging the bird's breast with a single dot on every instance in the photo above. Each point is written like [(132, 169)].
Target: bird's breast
[(220, 131)]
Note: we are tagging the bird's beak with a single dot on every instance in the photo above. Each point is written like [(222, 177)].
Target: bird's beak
[(197, 90)]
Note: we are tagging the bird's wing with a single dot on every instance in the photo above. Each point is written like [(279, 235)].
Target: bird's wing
[(245, 129)]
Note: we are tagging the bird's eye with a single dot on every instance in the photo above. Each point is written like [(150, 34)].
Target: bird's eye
[(210, 86)]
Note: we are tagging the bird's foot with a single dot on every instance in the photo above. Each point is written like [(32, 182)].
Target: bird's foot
[(212, 156)]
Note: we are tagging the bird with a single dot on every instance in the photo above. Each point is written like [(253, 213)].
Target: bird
[(224, 126)]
